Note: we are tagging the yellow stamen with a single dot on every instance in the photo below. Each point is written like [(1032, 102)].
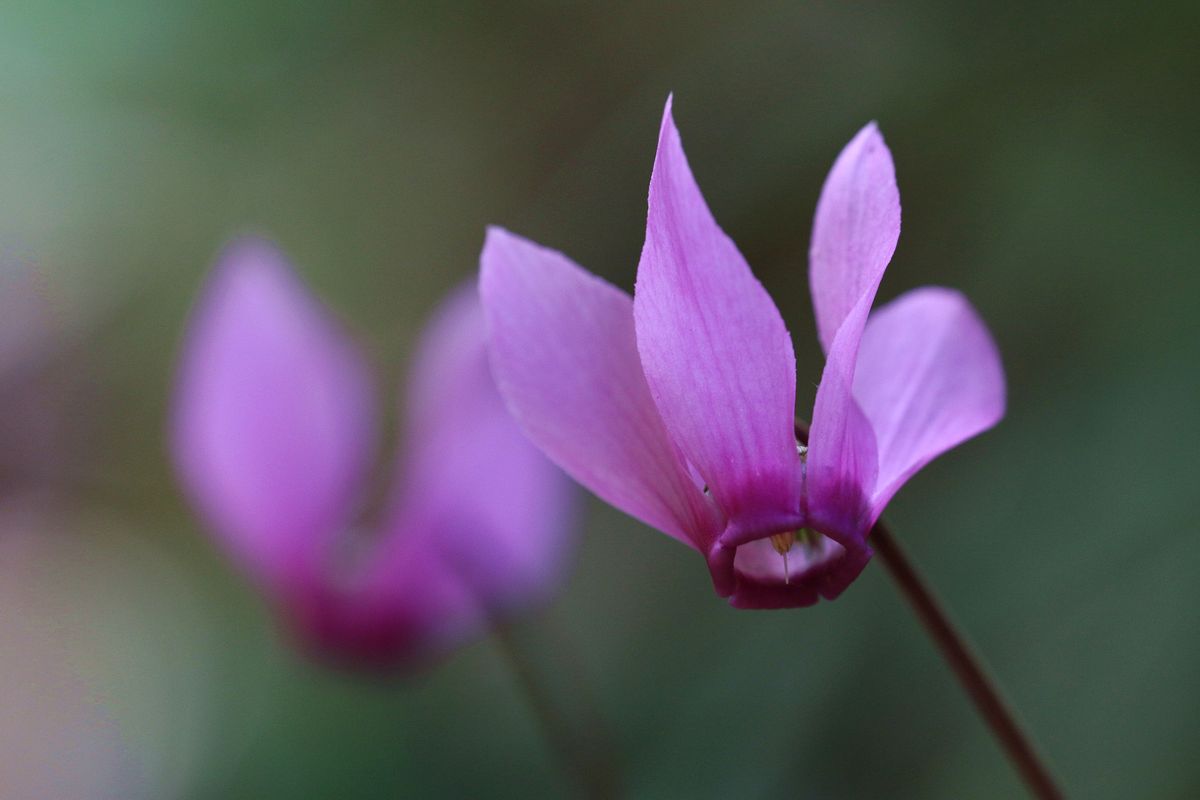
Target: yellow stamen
[(782, 542)]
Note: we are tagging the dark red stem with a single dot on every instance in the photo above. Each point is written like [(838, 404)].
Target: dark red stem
[(966, 666)]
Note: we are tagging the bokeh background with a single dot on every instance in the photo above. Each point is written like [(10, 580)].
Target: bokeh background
[(1048, 165)]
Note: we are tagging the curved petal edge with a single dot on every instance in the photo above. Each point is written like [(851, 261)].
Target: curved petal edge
[(716, 354), (564, 355), (855, 230), (929, 377), (273, 415)]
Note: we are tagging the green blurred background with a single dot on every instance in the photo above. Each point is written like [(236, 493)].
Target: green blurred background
[(1047, 161)]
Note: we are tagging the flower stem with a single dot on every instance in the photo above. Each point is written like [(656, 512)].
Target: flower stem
[(966, 666), (589, 761)]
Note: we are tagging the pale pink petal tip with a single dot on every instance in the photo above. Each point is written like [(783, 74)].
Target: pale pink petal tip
[(273, 415), (855, 230), (715, 352)]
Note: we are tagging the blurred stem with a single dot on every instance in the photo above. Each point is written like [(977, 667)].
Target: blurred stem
[(586, 755), (965, 665), (598, 736)]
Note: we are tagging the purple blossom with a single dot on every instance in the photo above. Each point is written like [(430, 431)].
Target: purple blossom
[(677, 405), (273, 439)]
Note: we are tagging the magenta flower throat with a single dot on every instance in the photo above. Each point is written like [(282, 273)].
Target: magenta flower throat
[(677, 405)]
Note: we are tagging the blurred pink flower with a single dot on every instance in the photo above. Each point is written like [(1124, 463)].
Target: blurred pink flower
[(677, 405), (273, 434)]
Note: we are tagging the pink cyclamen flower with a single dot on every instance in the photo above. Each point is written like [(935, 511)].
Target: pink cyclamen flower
[(677, 405), (273, 436)]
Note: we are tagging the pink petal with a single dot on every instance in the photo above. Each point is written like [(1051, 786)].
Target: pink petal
[(715, 351), (482, 529), (480, 524), (929, 377), (854, 232), (842, 463), (449, 366), (564, 355), (474, 489), (273, 415)]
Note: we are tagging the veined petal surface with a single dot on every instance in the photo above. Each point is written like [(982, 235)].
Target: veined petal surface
[(715, 351), (929, 377), (273, 415), (842, 464), (855, 231), (564, 355)]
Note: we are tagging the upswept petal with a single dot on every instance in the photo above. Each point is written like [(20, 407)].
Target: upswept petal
[(929, 377), (564, 356), (273, 416), (842, 464), (855, 231), (714, 349), (473, 489), (449, 365)]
